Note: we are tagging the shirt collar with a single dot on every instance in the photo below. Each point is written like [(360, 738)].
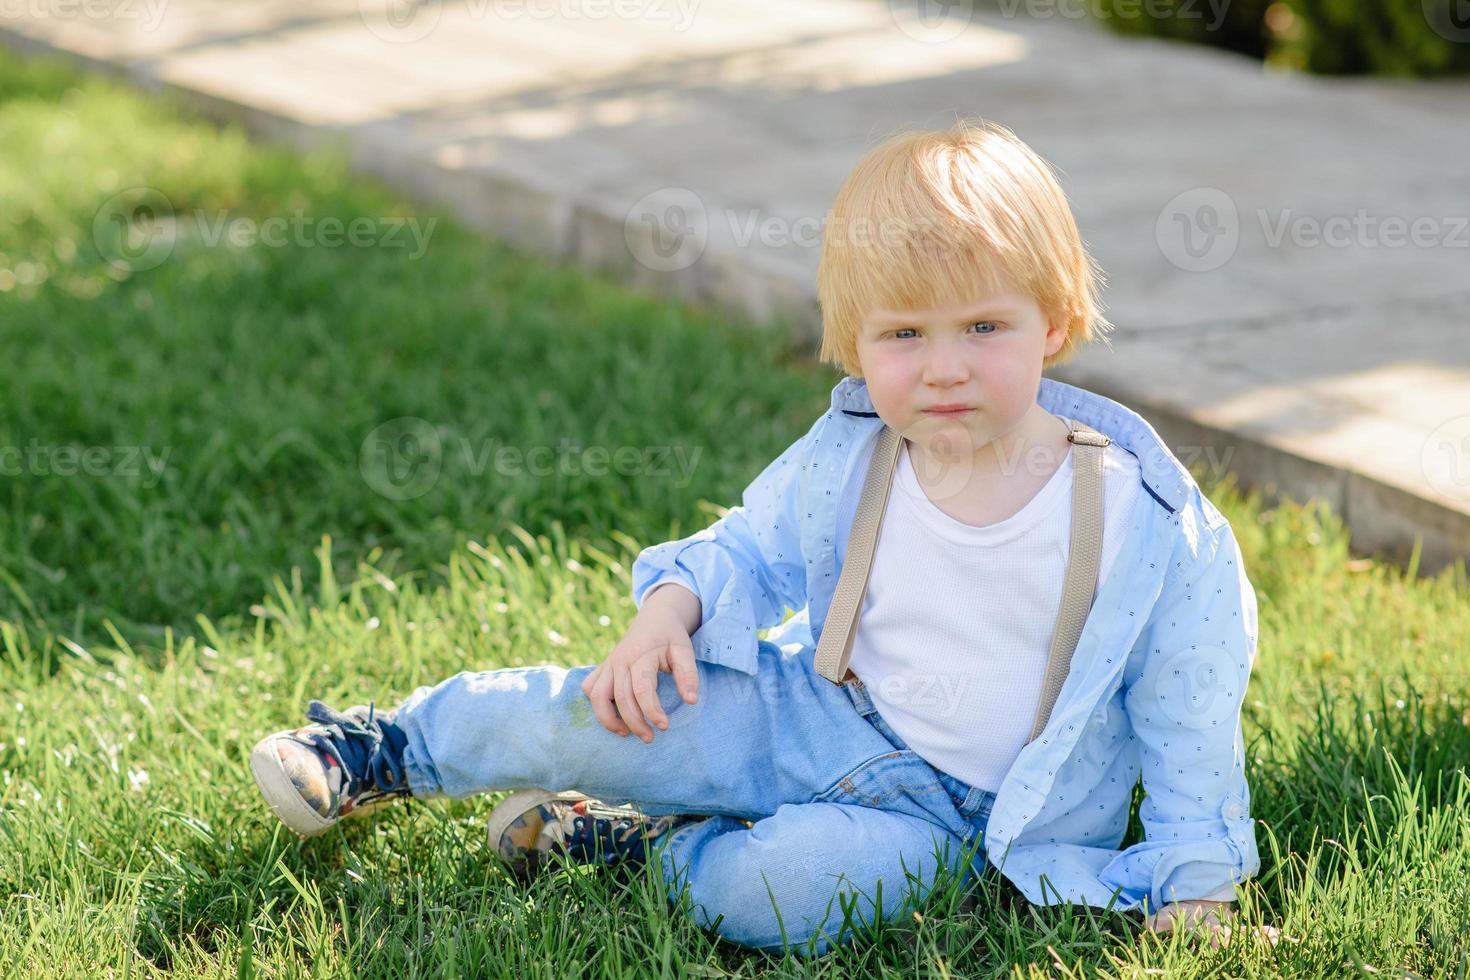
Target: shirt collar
[(1163, 475)]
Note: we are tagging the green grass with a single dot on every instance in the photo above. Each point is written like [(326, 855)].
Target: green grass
[(150, 633), (257, 373)]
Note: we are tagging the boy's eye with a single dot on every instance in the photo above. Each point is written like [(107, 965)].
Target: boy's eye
[(898, 334)]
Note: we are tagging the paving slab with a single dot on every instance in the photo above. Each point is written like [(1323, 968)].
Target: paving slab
[(1288, 257)]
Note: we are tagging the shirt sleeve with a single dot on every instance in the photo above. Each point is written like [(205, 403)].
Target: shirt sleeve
[(747, 568), (1184, 705)]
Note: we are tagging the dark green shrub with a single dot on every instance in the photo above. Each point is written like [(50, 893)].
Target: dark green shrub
[(1330, 37), (1236, 25), (1390, 37)]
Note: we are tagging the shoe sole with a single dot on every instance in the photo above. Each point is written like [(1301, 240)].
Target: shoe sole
[(516, 805), (280, 793)]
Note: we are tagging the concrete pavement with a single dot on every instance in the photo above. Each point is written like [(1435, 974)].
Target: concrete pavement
[(1288, 257)]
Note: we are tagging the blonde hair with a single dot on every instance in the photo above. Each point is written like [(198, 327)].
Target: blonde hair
[(930, 218)]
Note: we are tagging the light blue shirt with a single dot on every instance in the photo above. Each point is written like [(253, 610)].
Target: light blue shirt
[(1155, 687)]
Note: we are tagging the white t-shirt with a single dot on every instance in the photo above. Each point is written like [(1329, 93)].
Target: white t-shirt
[(957, 623)]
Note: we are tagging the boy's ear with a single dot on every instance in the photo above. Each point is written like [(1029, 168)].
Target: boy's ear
[(1056, 336)]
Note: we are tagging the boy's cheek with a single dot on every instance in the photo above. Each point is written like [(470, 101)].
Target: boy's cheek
[(888, 387)]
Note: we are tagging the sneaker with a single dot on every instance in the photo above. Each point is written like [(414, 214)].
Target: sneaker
[(531, 825), (347, 762)]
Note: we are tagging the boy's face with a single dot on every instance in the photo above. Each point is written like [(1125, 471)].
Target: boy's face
[(985, 356)]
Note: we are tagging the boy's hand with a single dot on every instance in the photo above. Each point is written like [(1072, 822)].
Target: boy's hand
[(624, 687), (1215, 919)]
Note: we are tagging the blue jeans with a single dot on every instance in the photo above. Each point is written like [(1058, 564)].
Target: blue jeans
[(838, 801)]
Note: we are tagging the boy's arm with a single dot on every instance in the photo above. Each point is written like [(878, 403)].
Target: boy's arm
[(1184, 706), (745, 569)]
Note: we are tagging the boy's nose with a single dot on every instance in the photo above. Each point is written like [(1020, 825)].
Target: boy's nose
[(945, 368)]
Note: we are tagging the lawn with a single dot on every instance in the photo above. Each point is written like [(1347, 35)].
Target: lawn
[(216, 507)]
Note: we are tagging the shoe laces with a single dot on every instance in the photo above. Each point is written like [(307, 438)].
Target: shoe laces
[(369, 749), (596, 838), (614, 839)]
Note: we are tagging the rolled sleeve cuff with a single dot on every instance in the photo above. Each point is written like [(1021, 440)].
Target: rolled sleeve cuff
[(727, 636), (1203, 871), (663, 578), (727, 642), (1180, 871)]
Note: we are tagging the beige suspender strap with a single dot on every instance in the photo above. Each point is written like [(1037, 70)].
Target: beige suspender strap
[(834, 648), (1084, 554)]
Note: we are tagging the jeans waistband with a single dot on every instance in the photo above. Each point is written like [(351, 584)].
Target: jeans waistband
[(968, 800)]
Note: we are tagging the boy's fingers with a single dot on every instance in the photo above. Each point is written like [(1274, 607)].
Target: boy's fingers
[(606, 717), (645, 689), (685, 670), (628, 706), (599, 698)]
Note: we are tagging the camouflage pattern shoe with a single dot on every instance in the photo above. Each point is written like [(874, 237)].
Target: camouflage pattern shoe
[(531, 825), (344, 763)]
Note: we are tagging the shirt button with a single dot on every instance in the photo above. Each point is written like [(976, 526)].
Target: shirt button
[(1234, 811)]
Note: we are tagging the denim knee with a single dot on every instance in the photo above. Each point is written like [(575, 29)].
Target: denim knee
[(780, 884)]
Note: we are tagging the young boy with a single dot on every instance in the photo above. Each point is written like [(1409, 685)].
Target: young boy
[(951, 274)]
